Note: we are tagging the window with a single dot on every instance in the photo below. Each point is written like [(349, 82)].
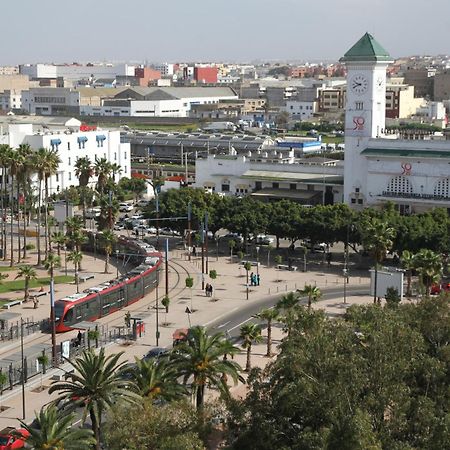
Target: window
[(125, 169), (360, 201), (69, 161), (258, 185), (70, 176), (68, 146), (359, 106), (57, 178), (353, 200), (115, 156), (225, 188), (292, 186), (356, 189), (275, 185), (124, 155)]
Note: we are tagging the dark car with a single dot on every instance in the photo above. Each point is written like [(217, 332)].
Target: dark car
[(156, 352)]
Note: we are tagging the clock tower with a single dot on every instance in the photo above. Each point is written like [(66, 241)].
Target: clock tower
[(365, 107)]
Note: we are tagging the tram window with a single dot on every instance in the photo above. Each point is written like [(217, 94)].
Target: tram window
[(69, 316)]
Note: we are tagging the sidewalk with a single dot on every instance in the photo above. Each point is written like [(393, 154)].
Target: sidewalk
[(229, 295)]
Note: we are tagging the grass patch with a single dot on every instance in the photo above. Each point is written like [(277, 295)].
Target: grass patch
[(19, 285), (7, 268)]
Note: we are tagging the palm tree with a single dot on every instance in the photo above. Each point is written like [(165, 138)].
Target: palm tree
[(28, 273), (5, 155), (102, 170), (96, 384), (84, 171), (408, 263), (15, 163), (53, 430), (250, 334), (50, 165), (429, 267), (76, 257), (377, 238), (156, 379), (269, 315), (39, 161), (60, 240), (24, 182), (109, 239), (51, 262), (115, 169), (288, 303), (313, 293), (201, 357)]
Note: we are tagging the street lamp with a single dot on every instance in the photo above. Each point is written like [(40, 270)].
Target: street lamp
[(117, 263), (257, 260)]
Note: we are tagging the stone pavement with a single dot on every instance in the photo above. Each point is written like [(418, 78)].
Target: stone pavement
[(229, 296)]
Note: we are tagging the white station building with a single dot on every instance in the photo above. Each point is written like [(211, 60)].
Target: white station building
[(72, 143), (379, 167)]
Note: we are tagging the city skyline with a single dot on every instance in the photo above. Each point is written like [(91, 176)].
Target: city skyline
[(241, 31)]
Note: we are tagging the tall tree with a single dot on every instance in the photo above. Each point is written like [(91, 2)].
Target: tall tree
[(156, 379), (76, 257), (377, 238), (312, 292), (250, 334), (108, 239), (102, 170), (97, 385), (287, 306), (201, 357), (5, 155), (53, 430), (84, 171), (429, 266), (408, 263), (23, 189), (29, 274), (269, 315)]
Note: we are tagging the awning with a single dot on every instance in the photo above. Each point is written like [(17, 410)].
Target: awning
[(301, 177), (55, 142), (100, 137), (296, 194), (82, 139)]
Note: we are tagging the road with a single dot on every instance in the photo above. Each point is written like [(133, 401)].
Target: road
[(231, 322)]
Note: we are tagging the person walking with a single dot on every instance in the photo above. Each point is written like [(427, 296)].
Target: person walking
[(210, 290), (258, 279), (207, 289), (194, 250), (252, 279)]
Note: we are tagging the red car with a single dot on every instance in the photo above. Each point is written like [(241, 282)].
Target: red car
[(438, 288), (9, 440)]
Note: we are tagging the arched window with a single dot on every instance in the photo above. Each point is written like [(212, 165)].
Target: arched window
[(400, 185), (441, 188)]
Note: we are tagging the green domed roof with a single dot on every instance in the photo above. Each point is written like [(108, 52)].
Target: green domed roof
[(366, 49)]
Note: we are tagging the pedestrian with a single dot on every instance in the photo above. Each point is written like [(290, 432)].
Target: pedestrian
[(258, 279), (35, 302), (79, 337), (210, 290), (194, 250), (329, 259), (252, 280), (207, 289)]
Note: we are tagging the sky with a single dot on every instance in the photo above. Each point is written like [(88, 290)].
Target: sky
[(210, 30)]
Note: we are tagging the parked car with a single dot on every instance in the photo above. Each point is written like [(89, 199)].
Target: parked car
[(317, 247), (262, 239), (125, 207), (438, 288), (232, 237), (156, 352), (9, 440), (142, 203), (92, 213), (119, 227)]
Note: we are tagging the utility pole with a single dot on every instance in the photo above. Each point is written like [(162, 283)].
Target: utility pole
[(203, 254), (157, 307), (23, 369), (157, 218), (189, 213), (167, 267), (110, 224), (205, 239), (186, 169)]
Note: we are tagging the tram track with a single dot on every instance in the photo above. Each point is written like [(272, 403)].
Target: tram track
[(176, 268)]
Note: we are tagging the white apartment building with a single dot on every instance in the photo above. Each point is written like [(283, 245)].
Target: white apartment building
[(11, 99), (72, 144), (166, 69)]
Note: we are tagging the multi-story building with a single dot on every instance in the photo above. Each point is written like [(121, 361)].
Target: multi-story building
[(71, 143), (422, 80), (51, 101), (11, 100), (304, 104), (331, 99), (441, 88), (401, 102)]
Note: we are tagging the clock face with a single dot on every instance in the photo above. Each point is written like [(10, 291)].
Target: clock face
[(379, 83), (359, 84)]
